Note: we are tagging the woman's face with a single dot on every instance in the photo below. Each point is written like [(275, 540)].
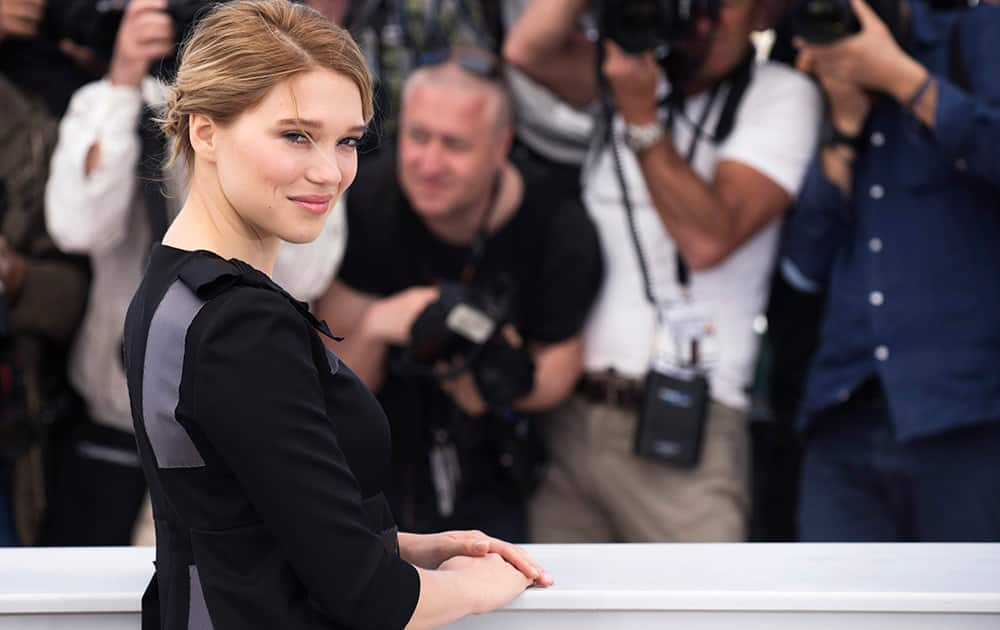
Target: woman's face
[(284, 163)]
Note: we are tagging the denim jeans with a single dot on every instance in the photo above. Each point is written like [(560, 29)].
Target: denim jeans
[(859, 483)]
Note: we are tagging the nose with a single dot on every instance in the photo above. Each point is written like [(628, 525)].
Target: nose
[(430, 161), (324, 170)]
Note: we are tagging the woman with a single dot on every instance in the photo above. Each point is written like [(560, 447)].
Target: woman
[(264, 454)]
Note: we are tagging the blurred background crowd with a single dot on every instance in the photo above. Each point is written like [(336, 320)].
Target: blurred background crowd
[(618, 270)]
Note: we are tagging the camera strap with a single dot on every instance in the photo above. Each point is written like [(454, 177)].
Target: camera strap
[(478, 246), (683, 276)]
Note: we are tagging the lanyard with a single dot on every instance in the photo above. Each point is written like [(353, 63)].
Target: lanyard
[(682, 270)]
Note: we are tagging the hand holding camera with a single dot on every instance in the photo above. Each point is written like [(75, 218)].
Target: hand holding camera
[(632, 79), (849, 103), (391, 319), (868, 60), (146, 34)]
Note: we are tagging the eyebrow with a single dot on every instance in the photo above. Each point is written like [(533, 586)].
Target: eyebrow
[(315, 124)]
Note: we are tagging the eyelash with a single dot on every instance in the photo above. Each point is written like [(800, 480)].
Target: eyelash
[(297, 137)]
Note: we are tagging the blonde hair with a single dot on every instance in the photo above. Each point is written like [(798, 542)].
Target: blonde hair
[(242, 49)]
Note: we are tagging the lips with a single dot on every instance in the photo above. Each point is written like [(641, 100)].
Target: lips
[(313, 204)]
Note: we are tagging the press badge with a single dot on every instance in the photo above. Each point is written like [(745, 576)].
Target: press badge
[(676, 395)]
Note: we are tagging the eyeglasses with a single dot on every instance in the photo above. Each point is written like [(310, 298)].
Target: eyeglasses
[(475, 61)]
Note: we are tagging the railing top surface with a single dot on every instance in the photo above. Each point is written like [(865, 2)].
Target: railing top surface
[(859, 577)]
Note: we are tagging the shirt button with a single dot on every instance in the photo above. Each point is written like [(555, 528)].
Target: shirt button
[(882, 353), (877, 139), (961, 165), (876, 192), (875, 245), (876, 298)]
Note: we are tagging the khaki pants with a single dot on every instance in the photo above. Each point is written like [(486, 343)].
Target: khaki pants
[(596, 490)]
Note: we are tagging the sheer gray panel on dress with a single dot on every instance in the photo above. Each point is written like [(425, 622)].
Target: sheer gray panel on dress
[(198, 618), (161, 379)]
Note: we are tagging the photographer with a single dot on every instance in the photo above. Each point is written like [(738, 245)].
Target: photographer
[(42, 294), (446, 240), (899, 222), (705, 152), (108, 198)]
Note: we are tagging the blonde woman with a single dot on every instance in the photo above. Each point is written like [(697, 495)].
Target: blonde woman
[(263, 452)]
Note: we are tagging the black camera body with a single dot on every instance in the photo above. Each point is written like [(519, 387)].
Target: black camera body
[(641, 25), (463, 330), (826, 21)]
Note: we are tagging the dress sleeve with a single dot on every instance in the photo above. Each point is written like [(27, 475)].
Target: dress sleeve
[(259, 400)]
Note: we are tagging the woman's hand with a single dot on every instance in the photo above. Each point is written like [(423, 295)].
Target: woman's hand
[(490, 580), (430, 551)]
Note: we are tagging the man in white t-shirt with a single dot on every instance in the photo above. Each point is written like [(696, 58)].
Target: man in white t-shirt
[(707, 232)]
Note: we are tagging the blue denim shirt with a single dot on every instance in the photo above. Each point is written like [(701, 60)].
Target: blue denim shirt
[(912, 260)]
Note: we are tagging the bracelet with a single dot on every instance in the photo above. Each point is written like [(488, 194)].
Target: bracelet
[(919, 92)]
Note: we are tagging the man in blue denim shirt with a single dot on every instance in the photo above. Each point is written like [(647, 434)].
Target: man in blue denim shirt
[(899, 220)]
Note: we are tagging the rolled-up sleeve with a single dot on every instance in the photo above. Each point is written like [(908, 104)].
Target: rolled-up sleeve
[(816, 230), (967, 125)]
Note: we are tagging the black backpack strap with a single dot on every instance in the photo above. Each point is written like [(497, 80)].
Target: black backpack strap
[(958, 69), (210, 276), (739, 81)]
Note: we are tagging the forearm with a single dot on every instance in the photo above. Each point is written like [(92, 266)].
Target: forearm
[(700, 222), (545, 44), (445, 597), (557, 369), (906, 84), (418, 550)]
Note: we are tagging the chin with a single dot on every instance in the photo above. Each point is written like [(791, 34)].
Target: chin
[(306, 234)]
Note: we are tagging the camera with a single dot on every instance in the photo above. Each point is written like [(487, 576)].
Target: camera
[(463, 330), (95, 24), (641, 25), (826, 21)]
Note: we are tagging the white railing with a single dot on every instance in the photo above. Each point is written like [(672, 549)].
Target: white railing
[(638, 587)]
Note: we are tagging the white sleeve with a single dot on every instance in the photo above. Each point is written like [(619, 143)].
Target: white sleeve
[(88, 214), (777, 126), (306, 270)]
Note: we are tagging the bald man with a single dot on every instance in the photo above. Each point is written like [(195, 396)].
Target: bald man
[(444, 214)]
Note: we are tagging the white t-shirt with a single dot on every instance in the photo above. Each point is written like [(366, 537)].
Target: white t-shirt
[(775, 133)]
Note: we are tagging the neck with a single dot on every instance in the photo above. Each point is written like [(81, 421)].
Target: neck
[(207, 221), (460, 227)]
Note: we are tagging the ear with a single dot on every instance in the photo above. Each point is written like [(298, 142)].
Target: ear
[(202, 132), (505, 139)]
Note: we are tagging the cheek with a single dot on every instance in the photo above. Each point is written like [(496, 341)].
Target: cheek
[(348, 169)]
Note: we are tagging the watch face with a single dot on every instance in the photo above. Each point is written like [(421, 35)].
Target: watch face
[(639, 137)]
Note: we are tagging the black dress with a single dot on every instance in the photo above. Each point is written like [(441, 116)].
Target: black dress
[(265, 458)]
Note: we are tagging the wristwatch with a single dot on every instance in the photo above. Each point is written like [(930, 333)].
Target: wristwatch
[(638, 138)]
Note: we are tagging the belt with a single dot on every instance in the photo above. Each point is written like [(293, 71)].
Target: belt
[(609, 388)]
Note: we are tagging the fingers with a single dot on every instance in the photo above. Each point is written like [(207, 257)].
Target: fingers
[(512, 337), (521, 561), (866, 15)]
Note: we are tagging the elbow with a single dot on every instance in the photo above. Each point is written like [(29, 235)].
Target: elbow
[(527, 51), (518, 53), (706, 255)]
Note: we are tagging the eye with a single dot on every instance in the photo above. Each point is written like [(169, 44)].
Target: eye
[(351, 141), (296, 137)]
